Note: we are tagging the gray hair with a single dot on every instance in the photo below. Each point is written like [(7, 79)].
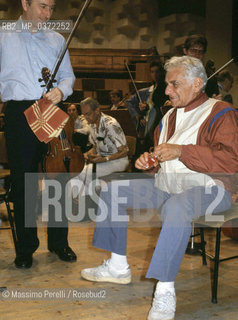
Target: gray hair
[(93, 103), (192, 67)]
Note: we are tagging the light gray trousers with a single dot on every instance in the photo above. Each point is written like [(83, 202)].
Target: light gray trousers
[(177, 212)]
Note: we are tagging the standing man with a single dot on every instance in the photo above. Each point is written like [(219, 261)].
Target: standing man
[(146, 115), (23, 55), (196, 146), (195, 46)]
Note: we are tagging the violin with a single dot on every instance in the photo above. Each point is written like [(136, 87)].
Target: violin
[(62, 155), (121, 104)]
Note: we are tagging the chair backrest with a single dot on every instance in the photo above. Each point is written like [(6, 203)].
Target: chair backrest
[(3, 149), (131, 143), (124, 118)]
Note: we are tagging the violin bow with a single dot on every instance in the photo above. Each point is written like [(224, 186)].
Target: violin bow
[(133, 82), (49, 84), (221, 68)]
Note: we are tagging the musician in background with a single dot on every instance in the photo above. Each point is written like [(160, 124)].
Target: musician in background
[(23, 55), (109, 151), (72, 110), (109, 148), (81, 127), (225, 81), (147, 115), (116, 100), (196, 46)]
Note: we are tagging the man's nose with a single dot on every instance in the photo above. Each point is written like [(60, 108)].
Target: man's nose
[(48, 13), (167, 90)]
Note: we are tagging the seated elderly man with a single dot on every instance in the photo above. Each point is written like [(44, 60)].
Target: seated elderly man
[(109, 148), (196, 147)]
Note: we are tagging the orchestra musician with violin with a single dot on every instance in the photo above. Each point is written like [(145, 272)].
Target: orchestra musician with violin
[(146, 109), (196, 46), (23, 55), (225, 81), (117, 102)]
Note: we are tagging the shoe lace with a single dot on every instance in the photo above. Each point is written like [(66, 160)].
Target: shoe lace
[(164, 302), (103, 266)]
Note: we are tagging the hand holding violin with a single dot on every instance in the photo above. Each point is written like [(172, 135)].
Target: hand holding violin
[(143, 106), (55, 95)]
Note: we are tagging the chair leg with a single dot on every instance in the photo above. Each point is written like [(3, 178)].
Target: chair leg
[(203, 243), (9, 212), (216, 266)]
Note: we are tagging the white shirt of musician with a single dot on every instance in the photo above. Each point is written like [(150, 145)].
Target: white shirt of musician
[(109, 136)]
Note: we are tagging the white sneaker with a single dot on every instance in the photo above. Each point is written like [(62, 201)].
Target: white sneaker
[(163, 306), (106, 273)]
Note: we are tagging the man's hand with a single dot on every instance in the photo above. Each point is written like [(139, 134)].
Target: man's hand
[(143, 106), (166, 151), (91, 156), (143, 122), (94, 158), (55, 95), (142, 162)]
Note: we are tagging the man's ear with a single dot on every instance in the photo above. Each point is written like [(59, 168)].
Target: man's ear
[(198, 83), (97, 111), (185, 51), (25, 4)]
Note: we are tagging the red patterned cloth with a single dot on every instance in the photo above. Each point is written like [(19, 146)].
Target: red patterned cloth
[(45, 119)]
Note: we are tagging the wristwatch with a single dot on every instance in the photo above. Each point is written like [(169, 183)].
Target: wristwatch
[(107, 158)]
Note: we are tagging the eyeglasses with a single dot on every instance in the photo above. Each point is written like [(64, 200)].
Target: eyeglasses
[(196, 51)]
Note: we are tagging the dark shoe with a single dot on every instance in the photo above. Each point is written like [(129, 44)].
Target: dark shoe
[(23, 261), (65, 254)]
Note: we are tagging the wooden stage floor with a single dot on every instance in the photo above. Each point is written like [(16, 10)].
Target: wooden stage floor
[(117, 302)]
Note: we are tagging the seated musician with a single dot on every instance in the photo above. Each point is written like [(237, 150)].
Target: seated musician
[(81, 127), (72, 110), (116, 100), (146, 115), (109, 148), (196, 151), (225, 81)]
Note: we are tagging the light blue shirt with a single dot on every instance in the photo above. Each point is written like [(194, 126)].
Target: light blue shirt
[(22, 57)]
